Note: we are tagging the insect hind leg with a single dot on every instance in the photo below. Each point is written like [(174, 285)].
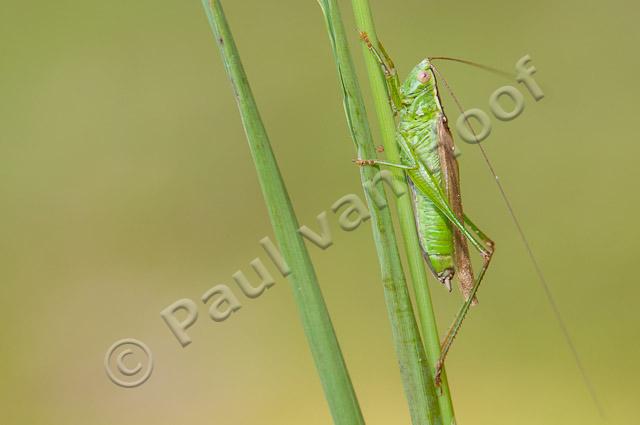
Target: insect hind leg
[(483, 237), (487, 255)]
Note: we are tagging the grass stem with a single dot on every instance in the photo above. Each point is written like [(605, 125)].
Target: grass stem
[(415, 366), (426, 315), (314, 316)]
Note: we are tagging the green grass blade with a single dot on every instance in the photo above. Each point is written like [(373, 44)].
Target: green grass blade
[(313, 312), (426, 315), (416, 374)]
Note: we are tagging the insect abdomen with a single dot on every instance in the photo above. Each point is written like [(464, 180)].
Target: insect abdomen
[(434, 234), (434, 229)]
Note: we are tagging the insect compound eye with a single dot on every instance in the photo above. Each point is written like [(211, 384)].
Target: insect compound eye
[(423, 77)]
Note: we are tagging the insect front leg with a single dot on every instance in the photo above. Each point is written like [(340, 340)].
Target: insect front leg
[(390, 74), (373, 162), (407, 155)]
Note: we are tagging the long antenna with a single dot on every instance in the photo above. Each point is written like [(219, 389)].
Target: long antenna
[(476, 64), (541, 279)]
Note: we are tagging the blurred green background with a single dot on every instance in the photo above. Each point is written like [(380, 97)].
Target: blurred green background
[(126, 184)]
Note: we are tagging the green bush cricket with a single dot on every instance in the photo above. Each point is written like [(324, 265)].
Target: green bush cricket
[(428, 158), (427, 155)]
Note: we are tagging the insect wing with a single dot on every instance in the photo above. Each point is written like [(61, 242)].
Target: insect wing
[(451, 179)]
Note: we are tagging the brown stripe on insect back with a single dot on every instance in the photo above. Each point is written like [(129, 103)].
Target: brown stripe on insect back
[(451, 179)]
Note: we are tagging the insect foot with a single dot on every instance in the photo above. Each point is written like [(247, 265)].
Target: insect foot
[(438, 377), (363, 162), (365, 37)]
